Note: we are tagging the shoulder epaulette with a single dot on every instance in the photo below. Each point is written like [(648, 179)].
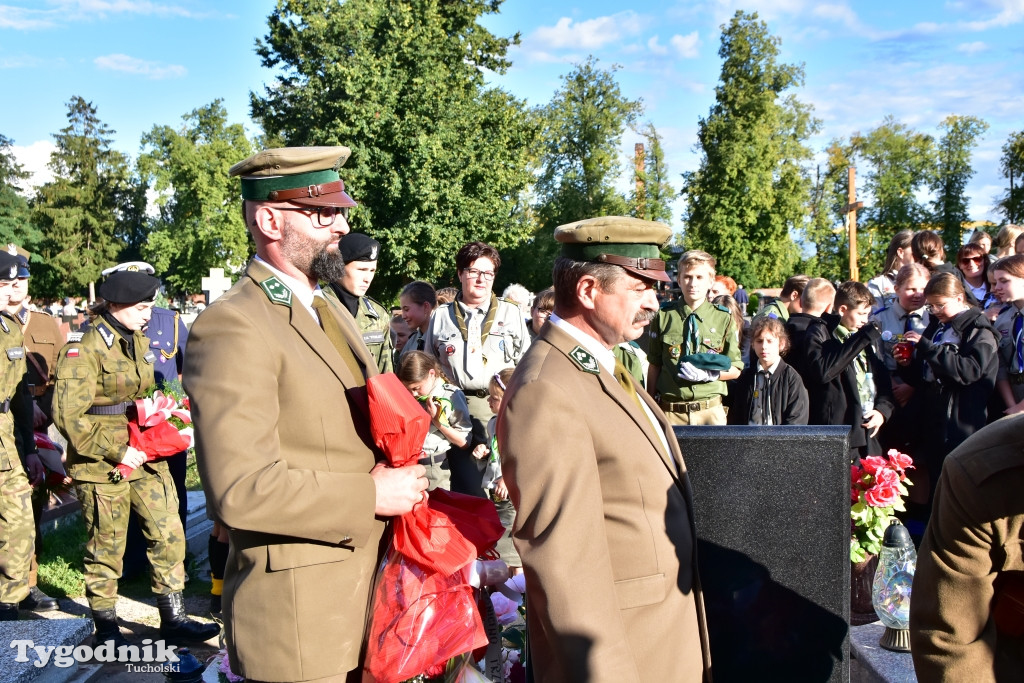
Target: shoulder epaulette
[(584, 360), (277, 291), (723, 308), (883, 308), (370, 302), (74, 337)]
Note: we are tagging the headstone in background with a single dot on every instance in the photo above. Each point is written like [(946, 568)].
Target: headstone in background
[(772, 509), (215, 285)]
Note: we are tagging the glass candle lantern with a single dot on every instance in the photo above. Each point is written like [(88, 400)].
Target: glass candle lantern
[(890, 591)]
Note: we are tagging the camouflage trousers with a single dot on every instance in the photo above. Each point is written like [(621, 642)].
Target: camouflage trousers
[(106, 508), (17, 534)]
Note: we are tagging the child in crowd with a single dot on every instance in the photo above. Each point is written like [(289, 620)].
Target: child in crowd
[(769, 392), (418, 300), (449, 414), (493, 481), (400, 332), (849, 384), (695, 348)]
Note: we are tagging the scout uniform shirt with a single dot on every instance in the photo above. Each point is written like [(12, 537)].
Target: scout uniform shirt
[(897, 321), (96, 382), (1010, 331), (470, 363), (680, 331)]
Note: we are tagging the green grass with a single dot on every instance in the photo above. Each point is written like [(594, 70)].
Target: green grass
[(192, 481)]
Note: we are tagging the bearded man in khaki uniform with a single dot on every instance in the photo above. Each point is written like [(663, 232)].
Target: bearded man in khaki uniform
[(604, 519), (273, 371)]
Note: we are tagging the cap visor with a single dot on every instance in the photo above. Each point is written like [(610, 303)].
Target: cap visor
[(646, 274), (339, 199)]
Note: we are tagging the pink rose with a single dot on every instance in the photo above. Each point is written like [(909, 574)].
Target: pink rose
[(873, 463), (506, 611), (882, 495), (887, 476), (901, 462)]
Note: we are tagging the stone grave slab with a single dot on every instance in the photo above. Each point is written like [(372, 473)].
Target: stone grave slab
[(772, 513)]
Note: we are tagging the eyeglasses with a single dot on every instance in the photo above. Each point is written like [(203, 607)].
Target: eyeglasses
[(932, 308), (972, 259), (473, 273), (325, 215)]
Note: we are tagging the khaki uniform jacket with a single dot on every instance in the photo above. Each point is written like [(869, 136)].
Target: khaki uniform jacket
[(16, 421), (285, 459), (604, 524), (716, 333), (975, 536), (96, 371)]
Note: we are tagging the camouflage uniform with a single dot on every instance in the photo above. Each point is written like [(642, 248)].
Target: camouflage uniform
[(17, 530), (375, 324), (94, 373)]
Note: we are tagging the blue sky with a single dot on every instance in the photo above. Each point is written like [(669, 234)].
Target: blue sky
[(148, 62)]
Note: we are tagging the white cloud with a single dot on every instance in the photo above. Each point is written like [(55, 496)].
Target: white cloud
[(686, 45), (657, 48), (972, 48), (22, 19), (34, 159), (589, 34), (133, 65), (62, 12)]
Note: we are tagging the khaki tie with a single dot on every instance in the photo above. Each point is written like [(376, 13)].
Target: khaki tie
[(625, 380), (333, 331)]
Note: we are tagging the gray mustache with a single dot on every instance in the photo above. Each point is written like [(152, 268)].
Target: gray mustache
[(644, 316)]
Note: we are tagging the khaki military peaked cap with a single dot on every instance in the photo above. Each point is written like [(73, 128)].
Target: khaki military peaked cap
[(302, 175), (632, 243)]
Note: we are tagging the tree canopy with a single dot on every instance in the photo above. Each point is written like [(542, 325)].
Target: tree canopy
[(438, 159), (15, 220)]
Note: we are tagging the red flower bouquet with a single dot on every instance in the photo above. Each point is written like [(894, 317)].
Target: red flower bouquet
[(161, 428), (424, 610), (877, 487)]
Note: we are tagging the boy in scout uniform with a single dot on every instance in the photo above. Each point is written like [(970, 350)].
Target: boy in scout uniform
[(17, 532), (42, 339), (694, 348), (98, 380), (360, 253)]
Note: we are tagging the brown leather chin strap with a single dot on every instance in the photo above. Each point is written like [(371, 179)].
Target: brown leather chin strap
[(640, 263), (334, 187)]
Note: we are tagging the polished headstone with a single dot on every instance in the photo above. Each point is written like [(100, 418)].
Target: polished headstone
[(772, 510)]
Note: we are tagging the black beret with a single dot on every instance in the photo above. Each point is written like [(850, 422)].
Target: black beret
[(356, 246), (128, 287), (8, 266), (23, 270)]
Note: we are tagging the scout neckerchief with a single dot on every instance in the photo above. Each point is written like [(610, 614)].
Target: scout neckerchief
[(460, 320), (691, 335), (1018, 342), (865, 382)]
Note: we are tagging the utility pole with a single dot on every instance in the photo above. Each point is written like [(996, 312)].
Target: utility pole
[(850, 211), (641, 195)]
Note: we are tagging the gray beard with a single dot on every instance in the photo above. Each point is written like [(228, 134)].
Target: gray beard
[(327, 267)]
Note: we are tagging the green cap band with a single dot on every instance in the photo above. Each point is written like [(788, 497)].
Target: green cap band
[(259, 188), (590, 252)]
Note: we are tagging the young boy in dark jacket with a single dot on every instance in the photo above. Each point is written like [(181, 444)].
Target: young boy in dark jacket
[(769, 392), (847, 382)]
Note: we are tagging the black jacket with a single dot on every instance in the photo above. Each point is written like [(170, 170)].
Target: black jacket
[(789, 397), (956, 403), (796, 328), (832, 380)]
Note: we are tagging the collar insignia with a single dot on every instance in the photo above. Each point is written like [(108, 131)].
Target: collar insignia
[(584, 360), (107, 334), (276, 291)]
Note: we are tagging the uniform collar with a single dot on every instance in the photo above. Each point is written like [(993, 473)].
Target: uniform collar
[(606, 357), (300, 289), (700, 311)]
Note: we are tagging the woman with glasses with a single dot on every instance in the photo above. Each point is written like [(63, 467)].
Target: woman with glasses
[(972, 264), (954, 365), (543, 304)]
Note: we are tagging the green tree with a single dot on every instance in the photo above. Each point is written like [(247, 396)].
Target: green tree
[(751, 192), (438, 159), (15, 218), (658, 193), (826, 230), (900, 163), (200, 225), (579, 163), (953, 170), (1012, 166), (79, 210)]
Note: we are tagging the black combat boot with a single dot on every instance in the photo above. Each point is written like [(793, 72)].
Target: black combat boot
[(8, 611), (175, 625), (107, 628), (38, 601)]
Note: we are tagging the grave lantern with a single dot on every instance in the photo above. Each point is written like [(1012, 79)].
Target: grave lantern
[(890, 591)]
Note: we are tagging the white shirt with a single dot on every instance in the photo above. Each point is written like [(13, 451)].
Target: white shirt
[(606, 358)]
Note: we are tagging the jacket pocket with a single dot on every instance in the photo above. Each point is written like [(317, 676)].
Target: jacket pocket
[(639, 592), (293, 555)]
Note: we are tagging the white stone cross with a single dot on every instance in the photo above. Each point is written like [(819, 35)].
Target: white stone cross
[(215, 285)]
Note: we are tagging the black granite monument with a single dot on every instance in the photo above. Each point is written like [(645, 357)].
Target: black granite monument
[(772, 508)]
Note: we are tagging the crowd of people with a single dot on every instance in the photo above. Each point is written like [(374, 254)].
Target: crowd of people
[(559, 407)]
